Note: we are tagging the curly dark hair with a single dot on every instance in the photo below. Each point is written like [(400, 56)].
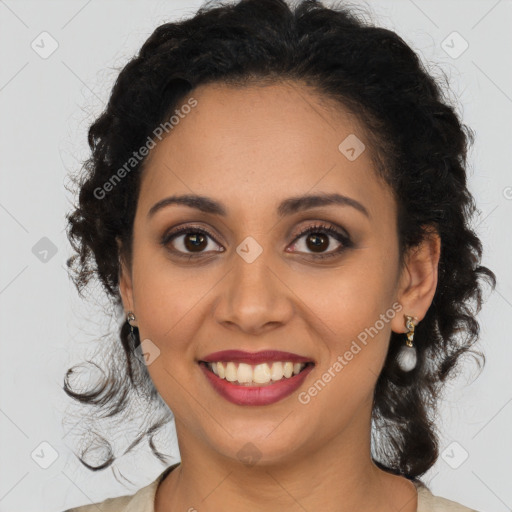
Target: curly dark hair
[(419, 147)]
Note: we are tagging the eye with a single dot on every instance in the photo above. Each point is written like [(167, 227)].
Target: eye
[(189, 240), (317, 239)]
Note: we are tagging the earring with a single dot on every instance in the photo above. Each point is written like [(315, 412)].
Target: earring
[(130, 317), (407, 357)]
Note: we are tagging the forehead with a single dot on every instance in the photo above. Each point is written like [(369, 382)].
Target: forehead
[(260, 143)]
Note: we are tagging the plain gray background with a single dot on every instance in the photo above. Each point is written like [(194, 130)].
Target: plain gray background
[(46, 105)]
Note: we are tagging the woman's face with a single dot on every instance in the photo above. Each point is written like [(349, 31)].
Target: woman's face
[(254, 283)]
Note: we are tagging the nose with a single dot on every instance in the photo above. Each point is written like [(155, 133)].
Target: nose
[(253, 298)]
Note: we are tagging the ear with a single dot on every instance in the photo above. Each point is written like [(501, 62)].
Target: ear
[(125, 281), (418, 280)]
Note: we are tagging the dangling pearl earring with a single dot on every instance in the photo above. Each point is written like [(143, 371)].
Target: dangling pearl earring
[(130, 317), (407, 357)]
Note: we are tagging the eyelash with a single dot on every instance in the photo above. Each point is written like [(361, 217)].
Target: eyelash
[(316, 228)]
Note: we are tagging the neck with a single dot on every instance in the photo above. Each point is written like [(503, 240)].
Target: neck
[(338, 476)]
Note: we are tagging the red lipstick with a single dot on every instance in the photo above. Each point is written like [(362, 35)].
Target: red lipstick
[(255, 395)]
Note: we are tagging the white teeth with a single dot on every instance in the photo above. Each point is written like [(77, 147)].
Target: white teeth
[(277, 371), (258, 374), (244, 373), (231, 374), (220, 370), (261, 373), (288, 369)]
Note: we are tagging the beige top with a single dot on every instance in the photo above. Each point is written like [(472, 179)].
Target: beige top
[(144, 500)]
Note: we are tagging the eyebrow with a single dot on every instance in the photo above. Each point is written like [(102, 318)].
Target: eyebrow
[(286, 207)]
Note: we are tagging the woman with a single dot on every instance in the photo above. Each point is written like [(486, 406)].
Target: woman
[(277, 202)]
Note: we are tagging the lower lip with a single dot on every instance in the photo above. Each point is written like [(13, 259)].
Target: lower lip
[(256, 395)]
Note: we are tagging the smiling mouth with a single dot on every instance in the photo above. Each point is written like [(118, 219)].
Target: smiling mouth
[(264, 374)]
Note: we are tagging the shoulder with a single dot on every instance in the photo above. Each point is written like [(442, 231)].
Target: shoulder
[(427, 502), (118, 504), (142, 501)]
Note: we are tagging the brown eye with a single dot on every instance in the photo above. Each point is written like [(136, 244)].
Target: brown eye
[(316, 240), (190, 241), (195, 241)]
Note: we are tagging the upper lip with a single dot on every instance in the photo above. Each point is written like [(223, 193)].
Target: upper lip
[(255, 357)]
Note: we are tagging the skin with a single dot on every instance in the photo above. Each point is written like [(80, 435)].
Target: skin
[(250, 148)]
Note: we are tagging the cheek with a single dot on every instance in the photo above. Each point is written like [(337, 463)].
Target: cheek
[(352, 308), (354, 313), (165, 293), (168, 301), (348, 299)]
